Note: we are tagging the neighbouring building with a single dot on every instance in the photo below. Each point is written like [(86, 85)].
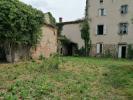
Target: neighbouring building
[(69, 37), (111, 26)]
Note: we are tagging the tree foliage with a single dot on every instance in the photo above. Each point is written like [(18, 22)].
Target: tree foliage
[(19, 24), (130, 52), (52, 19), (85, 35)]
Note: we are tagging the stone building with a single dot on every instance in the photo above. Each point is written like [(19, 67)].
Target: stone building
[(48, 43), (69, 37), (111, 26), (46, 46)]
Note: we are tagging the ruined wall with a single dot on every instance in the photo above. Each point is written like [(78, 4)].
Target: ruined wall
[(48, 43), (46, 46)]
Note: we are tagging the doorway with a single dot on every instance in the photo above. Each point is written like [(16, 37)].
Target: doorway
[(2, 55), (122, 51)]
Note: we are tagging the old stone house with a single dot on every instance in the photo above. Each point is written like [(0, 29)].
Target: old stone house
[(111, 26), (48, 43), (70, 40), (46, 46)]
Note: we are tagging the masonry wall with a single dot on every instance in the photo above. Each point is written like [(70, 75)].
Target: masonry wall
[(72, 32), (48, 43), (46, 46), (109, 50)]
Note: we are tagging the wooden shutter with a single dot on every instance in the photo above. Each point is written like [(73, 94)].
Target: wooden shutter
[(98, 48), (105, 29)]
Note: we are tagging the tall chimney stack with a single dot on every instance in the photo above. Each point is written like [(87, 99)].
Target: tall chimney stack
[(60, 20)]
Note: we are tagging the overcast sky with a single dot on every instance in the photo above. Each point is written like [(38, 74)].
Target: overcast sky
[(67, 9)]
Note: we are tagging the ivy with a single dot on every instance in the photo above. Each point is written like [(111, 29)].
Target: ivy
[(85, 35), (130, 52), (19, 24)]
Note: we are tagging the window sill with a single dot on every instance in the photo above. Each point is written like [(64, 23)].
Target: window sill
[(123, 34), (101, 35), (102, 15), (124, 14)]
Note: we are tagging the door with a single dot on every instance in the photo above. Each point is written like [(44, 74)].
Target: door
[(122, 51)]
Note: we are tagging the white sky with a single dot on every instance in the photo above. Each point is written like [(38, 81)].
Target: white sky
[(67, 9)]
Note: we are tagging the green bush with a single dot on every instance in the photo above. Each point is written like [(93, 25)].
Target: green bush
[(52, 63), (130, 52), (41, 57)]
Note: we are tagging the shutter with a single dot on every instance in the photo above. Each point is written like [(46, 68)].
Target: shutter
[(98, 48), (119, 52), (105, 12), (97, 30), (105, 29), (126, 28), (102, 48), (99, 12)]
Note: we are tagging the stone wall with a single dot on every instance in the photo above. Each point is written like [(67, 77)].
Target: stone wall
[(46, 46), (48, 43), (109, 50), (20, 52)]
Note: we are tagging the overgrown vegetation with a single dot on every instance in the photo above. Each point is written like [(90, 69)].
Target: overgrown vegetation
[(85, 35), (20, 24), (130, 52), (51, 20), (76, 78)]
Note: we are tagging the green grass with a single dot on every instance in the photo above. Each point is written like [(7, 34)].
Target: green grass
[(77, 78)]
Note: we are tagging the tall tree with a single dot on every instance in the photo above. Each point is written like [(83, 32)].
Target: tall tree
[(19, 24), (85, 35)]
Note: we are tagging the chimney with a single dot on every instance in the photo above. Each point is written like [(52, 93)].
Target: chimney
[(60, 20)]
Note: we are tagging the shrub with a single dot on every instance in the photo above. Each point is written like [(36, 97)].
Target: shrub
[(130, 52), (54, 61), (41, 57), (51, 63), (108, 54)]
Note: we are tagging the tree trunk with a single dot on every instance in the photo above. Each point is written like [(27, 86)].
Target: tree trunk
[(86, 48), (10, 54)]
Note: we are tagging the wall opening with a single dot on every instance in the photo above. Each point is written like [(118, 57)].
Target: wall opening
[(2, 55), (122, 51), (100, 30)]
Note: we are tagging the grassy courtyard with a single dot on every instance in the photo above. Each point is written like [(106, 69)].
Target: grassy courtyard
[(76, 79)]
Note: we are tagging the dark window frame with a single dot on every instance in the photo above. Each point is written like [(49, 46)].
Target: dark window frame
[(99, 30), (124, 9), (101, 1), (123, 28)]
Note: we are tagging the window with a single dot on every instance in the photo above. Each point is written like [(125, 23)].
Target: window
[(100, 29), (99, 48), (124, 9), (123, 28), (102, 12), (101, 1)]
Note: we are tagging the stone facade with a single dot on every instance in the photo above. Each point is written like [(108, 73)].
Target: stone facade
[(110, 50), (110, 14), (46, 47), (48, 43)]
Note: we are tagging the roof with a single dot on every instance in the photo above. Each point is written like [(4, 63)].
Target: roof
[(72, 22), (50, 25)]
